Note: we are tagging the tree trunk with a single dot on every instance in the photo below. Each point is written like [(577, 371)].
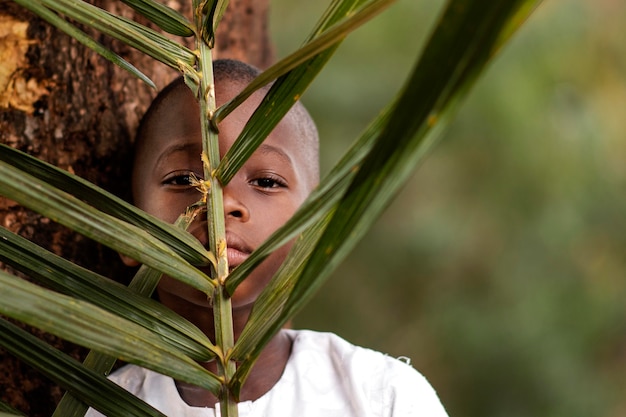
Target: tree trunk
[(68, 106)]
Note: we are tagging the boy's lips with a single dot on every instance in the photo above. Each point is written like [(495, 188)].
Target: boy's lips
[(235, 257), (237, 251)]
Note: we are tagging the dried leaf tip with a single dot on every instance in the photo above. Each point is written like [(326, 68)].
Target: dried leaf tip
[(204, 186)]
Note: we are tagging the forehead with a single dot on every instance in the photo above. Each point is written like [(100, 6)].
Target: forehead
[(175, 125)]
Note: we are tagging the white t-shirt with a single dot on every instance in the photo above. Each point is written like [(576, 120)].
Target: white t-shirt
[(325, 376)]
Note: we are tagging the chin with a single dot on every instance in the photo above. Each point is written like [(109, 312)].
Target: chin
[(244, 296), (181, 297), (249, 290)]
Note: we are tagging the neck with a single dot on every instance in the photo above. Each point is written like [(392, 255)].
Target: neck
[(265, 373)]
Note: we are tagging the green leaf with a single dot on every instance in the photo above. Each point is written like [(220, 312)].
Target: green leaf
[(266, 318), (92, 388), (213, 11), (131, 33), (319, 203), (465, 39), (7, 410), (328, 34), (304, 65), (144, 282), (179, 240), (72, 406), (61, 275), (120, 236), (282, 96), (163, 16), (87, 325), (52, 18)]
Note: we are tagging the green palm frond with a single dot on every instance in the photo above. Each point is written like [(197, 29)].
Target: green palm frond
[(61, 275), (131, 33), (411, 128), (60, 23), (213, 11), (163, 16), (119, 322), (94, 388), (87, 325), (7, 410), (335, 25), (295, 73), (317, 206), (120, 236), (180, 241), (144, 283)]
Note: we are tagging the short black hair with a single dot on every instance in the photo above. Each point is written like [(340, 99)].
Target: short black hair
[(233, 70)]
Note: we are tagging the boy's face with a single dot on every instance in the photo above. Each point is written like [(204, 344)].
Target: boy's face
[(259, 199)]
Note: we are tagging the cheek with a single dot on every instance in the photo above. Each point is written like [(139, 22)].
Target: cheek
[(270, 219), (168, 206), (247, 293), (176, 295)]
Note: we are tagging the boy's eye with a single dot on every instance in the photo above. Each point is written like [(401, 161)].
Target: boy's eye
[(181, 179), (268, 182)]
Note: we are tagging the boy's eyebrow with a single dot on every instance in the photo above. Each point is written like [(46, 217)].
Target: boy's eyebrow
[(192, 146), (269, 149), (176, 147)]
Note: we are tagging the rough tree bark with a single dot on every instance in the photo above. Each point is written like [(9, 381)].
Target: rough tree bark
[(66, 105)]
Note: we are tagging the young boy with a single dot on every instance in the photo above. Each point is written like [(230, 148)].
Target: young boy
[(299, 373)]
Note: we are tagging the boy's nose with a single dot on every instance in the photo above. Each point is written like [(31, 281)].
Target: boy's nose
[(234, 208)]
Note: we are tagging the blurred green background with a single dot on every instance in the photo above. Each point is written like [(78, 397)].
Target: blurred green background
[(500, 269)]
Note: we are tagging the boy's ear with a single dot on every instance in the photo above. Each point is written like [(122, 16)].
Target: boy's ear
[(128, 261)]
